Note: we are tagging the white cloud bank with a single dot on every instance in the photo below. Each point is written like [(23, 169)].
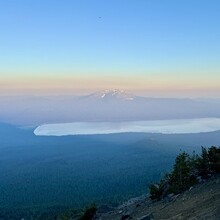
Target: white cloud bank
[(180, 126)]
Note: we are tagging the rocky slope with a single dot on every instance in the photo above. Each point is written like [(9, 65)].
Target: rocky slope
[(200, 202)]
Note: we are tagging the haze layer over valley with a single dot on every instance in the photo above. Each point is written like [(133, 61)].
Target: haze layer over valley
[(103, 106)]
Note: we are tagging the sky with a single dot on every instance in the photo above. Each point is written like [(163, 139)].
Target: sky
[(149, 47)]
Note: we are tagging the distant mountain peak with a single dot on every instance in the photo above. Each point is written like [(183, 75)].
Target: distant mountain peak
[(114, 94)]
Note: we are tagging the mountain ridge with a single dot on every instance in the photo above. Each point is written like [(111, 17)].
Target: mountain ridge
[(104, 105), (201, 201), (111, 95)]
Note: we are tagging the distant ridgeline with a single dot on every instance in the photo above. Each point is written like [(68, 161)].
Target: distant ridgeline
[(187, 171)]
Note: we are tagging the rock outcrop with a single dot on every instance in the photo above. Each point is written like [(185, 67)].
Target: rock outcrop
[(201, 201)]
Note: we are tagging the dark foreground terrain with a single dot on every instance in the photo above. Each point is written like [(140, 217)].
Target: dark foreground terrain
[(200, 202), (44, 177)]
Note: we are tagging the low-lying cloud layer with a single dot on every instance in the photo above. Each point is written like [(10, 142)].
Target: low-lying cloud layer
[(159, 126)]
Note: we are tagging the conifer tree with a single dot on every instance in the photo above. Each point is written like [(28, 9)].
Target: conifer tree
[(180, 177), (203, 166)]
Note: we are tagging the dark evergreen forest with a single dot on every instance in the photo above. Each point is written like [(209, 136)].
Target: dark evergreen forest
[(41, 177)]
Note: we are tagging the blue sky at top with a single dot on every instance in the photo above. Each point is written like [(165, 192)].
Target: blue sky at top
[(123, 37)]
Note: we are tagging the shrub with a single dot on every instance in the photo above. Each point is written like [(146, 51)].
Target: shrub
[(89, 213)]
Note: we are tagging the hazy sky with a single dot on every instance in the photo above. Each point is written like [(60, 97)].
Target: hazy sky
[(153, 47)]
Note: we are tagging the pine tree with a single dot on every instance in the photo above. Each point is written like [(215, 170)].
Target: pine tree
[(186, 171), (203, 166), (180, 177), (214, 159)]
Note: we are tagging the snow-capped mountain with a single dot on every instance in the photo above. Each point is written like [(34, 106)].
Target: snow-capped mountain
[(107, 105), (111, 95)]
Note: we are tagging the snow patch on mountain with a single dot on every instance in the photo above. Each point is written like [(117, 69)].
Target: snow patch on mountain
[(114, 94)]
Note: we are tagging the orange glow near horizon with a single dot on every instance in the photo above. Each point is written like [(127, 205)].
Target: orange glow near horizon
[(145, 85)]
